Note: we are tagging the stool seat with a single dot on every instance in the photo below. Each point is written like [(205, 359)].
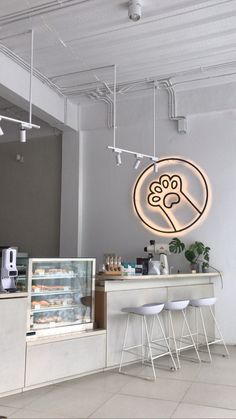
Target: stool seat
[(145, 310), (201, 302), (176, 305)]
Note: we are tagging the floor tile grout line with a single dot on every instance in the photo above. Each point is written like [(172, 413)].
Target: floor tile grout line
[(101, 405), (180, 401), (207, 405)]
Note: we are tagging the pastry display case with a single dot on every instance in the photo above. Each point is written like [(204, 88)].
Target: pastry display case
[(61, 295), (22, 278)]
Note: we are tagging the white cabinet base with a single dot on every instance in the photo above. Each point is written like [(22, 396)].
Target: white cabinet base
[(12, 344), (54, 360)]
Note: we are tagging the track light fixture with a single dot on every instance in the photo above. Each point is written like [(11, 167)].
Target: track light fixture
[(118, 157), (137, 161), (22, 134), (1, 130), (23, 126), (155, 161), (134, 10)]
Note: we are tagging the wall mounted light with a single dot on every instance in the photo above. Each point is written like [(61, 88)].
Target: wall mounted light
[(20, 158), (134, 10)]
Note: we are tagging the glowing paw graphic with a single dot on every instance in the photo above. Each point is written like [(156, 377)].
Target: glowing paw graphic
[(166, 193)]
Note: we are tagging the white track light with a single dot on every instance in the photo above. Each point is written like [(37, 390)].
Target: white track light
[(1, 130), (137, 161), (118, 159), (134, 10), (22, 134)]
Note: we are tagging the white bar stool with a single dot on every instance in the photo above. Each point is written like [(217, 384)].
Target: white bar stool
[(180, 305), (198, 304), (148, 310)]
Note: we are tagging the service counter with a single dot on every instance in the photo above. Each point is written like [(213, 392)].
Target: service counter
[(114, 293), (13, 311)]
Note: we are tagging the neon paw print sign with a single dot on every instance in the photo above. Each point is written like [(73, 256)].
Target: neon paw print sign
[(175, 200)]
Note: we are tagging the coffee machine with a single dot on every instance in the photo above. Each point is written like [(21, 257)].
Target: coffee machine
[(160, 266), (8, 270)]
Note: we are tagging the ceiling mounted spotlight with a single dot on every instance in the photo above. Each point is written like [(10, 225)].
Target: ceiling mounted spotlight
[(137, 161), (134, 10), (22, 134), (155, 166), (118, 157)]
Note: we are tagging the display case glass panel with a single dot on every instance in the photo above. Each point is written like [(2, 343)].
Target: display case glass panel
[(61, 294), (22, 278)]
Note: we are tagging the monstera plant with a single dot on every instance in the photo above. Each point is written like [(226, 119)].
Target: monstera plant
[(196, 252)]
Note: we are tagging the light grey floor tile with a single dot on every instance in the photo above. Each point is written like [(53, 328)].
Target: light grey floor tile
[(188, 371), (24, 399), (31, 414), (70, 402), (211, 395), (160, 389), (221, 371), (106, 381), (121, 406), (185, 410), (6, 411)]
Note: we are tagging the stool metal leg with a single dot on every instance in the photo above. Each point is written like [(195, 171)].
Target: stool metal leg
[(218, 329), (174, 338), (191, 336), (205, 334), (124, 342), (142, 343), (196, 321), (149, 347), (166, 342)]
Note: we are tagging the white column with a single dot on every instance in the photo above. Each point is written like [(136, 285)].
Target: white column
[(70, 230)]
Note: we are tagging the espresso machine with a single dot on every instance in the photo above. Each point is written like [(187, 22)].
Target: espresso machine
[(8, 270), (157, 267)]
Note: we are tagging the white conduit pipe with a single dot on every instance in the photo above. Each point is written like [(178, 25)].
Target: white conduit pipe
[(31, 76)]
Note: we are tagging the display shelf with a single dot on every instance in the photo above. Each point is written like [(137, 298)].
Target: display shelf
[(36, 293), (50, 276), (61, 324), (54, 308)]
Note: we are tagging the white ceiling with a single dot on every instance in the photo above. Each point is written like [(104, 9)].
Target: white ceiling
[(75, 35)]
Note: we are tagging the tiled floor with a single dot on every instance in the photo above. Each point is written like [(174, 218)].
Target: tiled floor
[(195, 391)]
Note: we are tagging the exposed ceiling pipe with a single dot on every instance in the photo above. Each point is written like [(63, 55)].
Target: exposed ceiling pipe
[(45, 8)]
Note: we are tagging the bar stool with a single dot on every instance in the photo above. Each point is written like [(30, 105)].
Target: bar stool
[(198, 304), (172, 306), (143, 312)]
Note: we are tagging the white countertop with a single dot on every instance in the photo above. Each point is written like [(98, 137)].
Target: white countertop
[(17, 294), (107, 283)]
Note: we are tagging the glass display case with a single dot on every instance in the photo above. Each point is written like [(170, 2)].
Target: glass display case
[(22, 278), (61, 295)]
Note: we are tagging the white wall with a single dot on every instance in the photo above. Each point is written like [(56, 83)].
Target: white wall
[(30, 196), (109, 222)]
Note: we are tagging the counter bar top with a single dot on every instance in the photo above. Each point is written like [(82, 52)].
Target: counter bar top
[(108, 283)]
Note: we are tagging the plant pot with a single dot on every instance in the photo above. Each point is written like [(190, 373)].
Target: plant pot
[(194, 267)]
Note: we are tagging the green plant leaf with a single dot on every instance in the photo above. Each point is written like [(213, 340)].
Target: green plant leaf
[(176, 246), (190, 256)]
